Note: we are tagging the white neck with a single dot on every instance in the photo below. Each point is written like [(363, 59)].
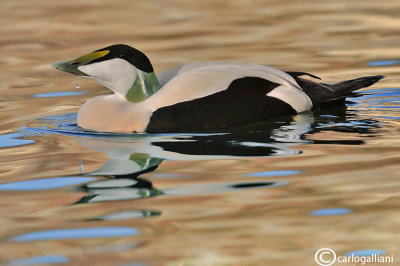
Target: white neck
[(116, 74), (123, 78)]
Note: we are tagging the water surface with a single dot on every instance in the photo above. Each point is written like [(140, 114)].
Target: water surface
[(270, 194)]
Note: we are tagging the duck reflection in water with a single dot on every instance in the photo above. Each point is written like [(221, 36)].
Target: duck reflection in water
[(134, 155)]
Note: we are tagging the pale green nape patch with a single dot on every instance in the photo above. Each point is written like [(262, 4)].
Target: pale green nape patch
[(146, 84)]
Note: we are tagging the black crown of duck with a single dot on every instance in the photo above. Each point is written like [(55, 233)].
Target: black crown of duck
[(194, 97), (130, 54)]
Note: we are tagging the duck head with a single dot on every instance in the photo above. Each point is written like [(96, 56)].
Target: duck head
[(121, 68)]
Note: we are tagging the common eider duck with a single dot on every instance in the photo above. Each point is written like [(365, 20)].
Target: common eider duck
[(194, 97)]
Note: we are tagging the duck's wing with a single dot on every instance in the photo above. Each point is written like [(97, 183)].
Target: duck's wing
[(224, 96), (166, 76), (169, 74), (198, 80)]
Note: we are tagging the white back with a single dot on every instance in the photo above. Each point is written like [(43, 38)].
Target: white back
[(167, 75), (197, 80)]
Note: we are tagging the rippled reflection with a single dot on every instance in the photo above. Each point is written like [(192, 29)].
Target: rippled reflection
[(121, 187), (13, 140), (379, 63), (330, 211), (59, 94), (274, 173), (221, 188), (127, 215), (38, 260), (45, 183), (133, 155), (76, 233)]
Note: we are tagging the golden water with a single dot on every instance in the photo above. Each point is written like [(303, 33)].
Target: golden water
[(212, 203)]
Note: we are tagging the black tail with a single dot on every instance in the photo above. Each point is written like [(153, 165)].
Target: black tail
[(325, 94), (346, 87)]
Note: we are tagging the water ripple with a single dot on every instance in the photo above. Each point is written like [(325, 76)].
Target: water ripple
[(48, 259), (45, 183), (274, 173), (127, 215), (388, 62), (59, 94), (76, 233), (13, 140), (220, 188), (330, 212)]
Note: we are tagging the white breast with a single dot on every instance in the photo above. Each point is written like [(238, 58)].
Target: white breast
[(112, 113)]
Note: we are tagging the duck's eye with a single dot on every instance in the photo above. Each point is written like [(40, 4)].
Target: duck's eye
[(75, 63)]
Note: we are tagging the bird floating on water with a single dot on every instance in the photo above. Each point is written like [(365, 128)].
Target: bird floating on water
[(194, 97)]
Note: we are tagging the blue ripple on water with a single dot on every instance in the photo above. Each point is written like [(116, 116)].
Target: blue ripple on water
[(76, 233), (389, 62), (274, 173), (59, 94), (364, 253), (49, 259), (45, 183), (330, 211), (12, 140), (390, 117)]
